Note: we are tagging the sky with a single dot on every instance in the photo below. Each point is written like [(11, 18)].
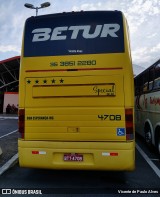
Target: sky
[(143, 18)]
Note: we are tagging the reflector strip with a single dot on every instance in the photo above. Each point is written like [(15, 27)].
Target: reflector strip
[(35, 152), (79, 69), (113, 154), (110, 154)]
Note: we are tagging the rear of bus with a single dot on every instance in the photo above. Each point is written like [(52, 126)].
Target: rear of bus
[(76, 93)]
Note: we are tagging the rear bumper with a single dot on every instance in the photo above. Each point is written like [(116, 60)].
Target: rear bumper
[(96, 155)]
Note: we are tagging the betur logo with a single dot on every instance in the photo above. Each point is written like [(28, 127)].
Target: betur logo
[(58, 33)]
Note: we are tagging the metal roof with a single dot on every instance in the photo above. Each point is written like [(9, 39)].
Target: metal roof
[(9, 74)]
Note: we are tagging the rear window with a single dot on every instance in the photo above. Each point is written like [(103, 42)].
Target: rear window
[(74, 33)]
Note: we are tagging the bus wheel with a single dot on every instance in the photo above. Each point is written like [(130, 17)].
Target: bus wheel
[(159, 144), (148, 135), (157, 139)]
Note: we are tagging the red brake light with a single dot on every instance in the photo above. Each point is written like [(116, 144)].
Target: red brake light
[(129, 124), (21, 121)]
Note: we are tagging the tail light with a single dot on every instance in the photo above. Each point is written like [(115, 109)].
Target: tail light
[(129, 124), (21, 122)]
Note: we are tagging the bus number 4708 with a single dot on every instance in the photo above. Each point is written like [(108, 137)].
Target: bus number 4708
[(110, 117)]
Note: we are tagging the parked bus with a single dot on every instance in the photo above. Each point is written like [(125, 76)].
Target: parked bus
[(76, 92), (147, 104)]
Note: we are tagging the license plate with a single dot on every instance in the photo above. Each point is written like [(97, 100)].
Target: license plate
[(73, 157)]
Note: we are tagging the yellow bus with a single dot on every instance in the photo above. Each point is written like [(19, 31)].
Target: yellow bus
[(147, 105), (76, 92)]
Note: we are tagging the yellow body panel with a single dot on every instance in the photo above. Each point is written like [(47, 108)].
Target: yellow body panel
[(95, 155)]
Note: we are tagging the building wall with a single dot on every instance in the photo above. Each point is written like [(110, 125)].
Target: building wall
[(10, 98), (1, 101)]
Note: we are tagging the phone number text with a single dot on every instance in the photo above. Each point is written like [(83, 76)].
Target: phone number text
[(74, 63)]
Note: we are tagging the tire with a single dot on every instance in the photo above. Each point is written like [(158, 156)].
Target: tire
[(148, 135), (158, 144), (157, 139)]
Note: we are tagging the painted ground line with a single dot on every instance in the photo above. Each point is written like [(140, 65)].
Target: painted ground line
[(8, 134), (154, 159), (5, 118), (8, 164), (152, 165)]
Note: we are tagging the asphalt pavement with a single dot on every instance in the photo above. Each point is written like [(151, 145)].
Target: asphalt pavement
[(145, 177), (8, 140), (83, 183)]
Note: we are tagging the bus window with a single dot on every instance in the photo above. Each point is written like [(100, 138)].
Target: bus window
[(145, 81), (157, 77), (151, 78)]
